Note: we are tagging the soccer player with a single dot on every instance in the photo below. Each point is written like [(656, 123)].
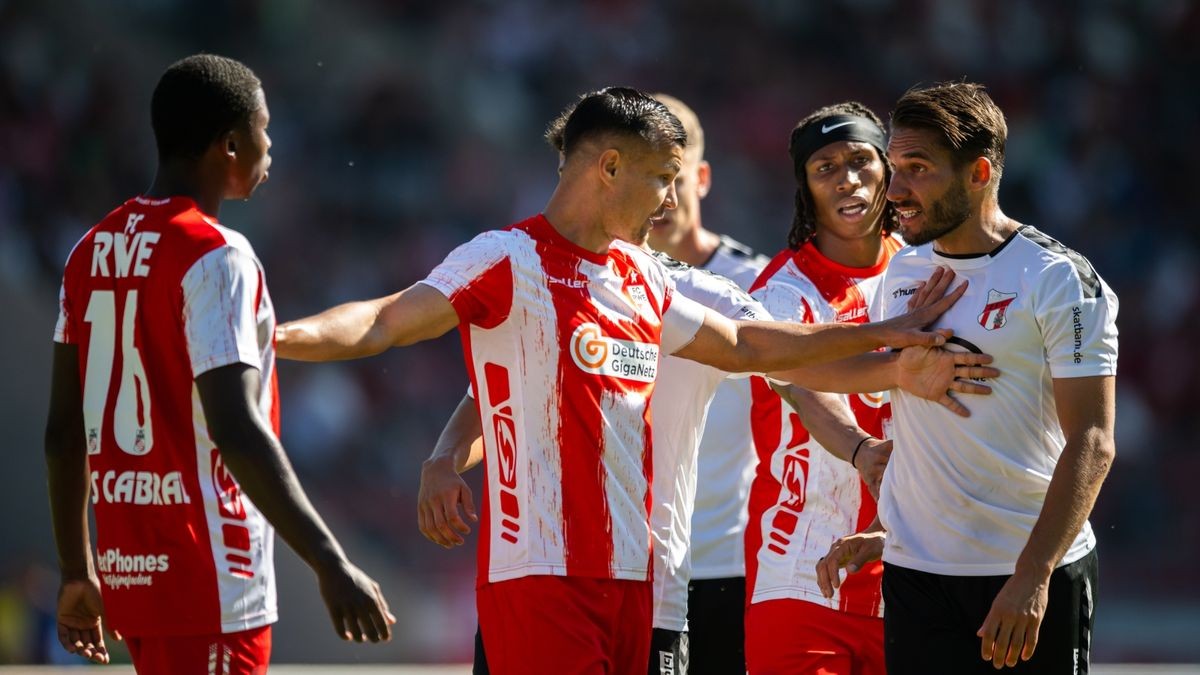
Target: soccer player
[(715, 569), (808, 490), (562, 325), (683, 392), (164, 408), (988, 550)]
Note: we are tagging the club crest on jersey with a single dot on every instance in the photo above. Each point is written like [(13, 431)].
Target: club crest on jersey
[(594, 352), (993, 315), (641, 299)]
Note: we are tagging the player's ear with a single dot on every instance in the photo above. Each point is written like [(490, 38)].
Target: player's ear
[(609, 164), (703, 179), (229, 145), (981, 173)]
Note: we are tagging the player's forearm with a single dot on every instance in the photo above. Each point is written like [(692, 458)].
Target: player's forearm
[(461, 441), (1072, 493), (827, 418), (68, 479), (262, 470), (348, 331), (68, 486), (871, 372), (770, 346)]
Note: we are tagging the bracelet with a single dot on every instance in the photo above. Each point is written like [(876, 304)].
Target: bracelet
[(858, 447)]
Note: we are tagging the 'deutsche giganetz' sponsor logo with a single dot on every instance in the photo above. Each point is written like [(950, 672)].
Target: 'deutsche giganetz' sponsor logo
[(597, 353)]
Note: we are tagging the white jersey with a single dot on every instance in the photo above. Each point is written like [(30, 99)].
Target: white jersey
[(961, 495), (562, 347), (679, 408), (726, 465)]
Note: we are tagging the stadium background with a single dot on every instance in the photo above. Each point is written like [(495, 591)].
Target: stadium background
[(403, 128)]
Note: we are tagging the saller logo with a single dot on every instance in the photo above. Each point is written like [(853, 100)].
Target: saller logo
[(993, 315), (597, 353)]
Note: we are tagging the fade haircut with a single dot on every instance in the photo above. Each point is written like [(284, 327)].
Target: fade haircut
[(615, 110), (966, 119), (689, 120), (198, 99), (804, 218)]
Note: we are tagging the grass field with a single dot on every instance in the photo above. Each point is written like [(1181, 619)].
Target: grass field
[(283, 669)]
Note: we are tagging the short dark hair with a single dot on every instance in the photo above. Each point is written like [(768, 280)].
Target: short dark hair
[(804, 218), (615, 110), (197, 99), (968, 121)]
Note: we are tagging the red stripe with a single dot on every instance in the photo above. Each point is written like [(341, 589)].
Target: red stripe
[(766, 420), (587, 524)]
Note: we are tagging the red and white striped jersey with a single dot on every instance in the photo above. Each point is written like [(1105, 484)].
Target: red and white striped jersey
[(562, 347), (153, 296), (803, 497)]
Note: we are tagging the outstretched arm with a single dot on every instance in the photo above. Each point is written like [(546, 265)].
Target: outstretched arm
[(367, 327), (253, 455), (769, 346), (442, 491), (80, 608), (931, 373), (1086, 410), (832, 424)]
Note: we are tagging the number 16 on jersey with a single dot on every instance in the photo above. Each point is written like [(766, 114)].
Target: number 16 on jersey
[(131, 413)]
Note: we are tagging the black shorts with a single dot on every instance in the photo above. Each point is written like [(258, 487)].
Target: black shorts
[(717, 626), (668, 652), (479, 667), (930, 620)]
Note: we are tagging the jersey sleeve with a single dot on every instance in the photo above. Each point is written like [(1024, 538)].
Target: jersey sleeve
[(1078, 320), (220, 302), (681, 321), (477, 280), (62, 330)]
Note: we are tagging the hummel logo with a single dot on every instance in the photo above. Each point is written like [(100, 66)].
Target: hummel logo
[(825, 129)]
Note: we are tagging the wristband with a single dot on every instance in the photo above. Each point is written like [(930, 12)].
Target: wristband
[(858, 447)]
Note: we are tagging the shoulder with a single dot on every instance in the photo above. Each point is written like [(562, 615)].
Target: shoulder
[(1056, 263), (736, 261), (707, 288)]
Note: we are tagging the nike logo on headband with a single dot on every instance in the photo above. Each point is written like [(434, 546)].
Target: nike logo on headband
[(825, 129)]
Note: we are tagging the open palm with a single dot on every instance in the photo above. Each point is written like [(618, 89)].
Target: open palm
[(933, 373)]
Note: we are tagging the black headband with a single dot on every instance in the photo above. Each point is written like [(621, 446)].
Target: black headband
[(831, 130)]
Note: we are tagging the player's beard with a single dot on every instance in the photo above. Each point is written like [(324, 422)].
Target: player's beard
[(943, 217)]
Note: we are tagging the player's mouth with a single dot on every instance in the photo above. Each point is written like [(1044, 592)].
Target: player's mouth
[(853, 209), (908, 213)]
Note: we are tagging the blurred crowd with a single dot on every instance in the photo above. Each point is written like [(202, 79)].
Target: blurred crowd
[(402, 128)]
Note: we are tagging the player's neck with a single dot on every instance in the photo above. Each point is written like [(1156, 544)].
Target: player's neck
[(577, 221), (859, 252), (695, 247), (981, 233), (177, 179)]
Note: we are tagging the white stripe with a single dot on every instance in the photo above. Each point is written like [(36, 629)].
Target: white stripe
[(625, 484), (527, 345)]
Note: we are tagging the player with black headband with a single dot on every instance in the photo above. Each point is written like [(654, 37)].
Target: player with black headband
[(818, 469)]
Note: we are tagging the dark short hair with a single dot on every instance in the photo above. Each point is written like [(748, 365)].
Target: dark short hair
[(804, 218), (615, 110), (967, 120), (199, 98)]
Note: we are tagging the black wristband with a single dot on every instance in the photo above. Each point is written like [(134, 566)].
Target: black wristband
[(858, 447)]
